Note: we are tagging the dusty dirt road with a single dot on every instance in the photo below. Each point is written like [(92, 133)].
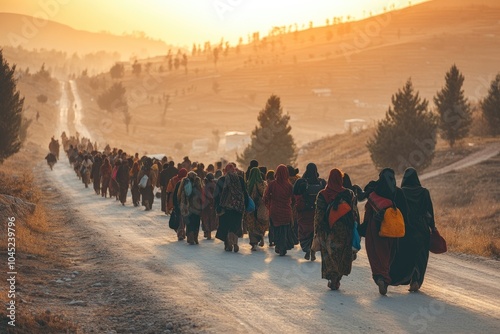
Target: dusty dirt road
[(261, 292)]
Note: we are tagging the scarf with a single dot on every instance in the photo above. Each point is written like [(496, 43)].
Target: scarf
[(334, 185)]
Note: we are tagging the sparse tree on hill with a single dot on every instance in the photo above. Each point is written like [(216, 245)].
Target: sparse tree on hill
[(117, 71), (11, 108), (42, 98), (136, 68), (272, 144), (112, 99), (406, 137), (455, 116), (43, 74), (491, 106)]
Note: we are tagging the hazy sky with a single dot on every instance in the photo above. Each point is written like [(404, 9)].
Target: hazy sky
[(183, 22)]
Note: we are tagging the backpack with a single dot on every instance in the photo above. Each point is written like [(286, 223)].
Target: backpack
[(334, 214), (188, 187), (392, 225), (232, 196), (338, 208), (310, 195)]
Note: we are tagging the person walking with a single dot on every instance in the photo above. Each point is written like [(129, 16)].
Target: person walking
[(335, 236), (279, 199)]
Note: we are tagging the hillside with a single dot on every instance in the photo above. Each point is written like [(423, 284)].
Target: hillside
[(30, 33), (361, 63)]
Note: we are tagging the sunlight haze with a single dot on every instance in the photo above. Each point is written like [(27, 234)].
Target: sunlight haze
[(183, 23)]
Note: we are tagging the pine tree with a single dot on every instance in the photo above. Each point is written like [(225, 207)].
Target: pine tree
[(455, 116), (272, 144), (407, 135), (11, 107), (491, 107)]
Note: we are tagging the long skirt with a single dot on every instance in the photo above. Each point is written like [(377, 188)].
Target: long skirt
[(210, 221), (284, 237), (305, 224), (181, 230), (192, 227), (123, 189), (336, 251), (256, 227), (147, 197), (136, 194), (97, 183), (164, 199), (410, 261), (105, 186), (381, 252), (229, 222)]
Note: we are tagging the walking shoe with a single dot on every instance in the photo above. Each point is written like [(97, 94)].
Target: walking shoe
[(382, 286), (414, 286), (307, 256), (261, 243), (313, 256)]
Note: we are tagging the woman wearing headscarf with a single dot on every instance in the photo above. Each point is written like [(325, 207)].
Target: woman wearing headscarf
[(189, 196), (270, 235), (336, 240), (258, 220), (147, 192), (231, 199), (105, 172), (381, 250), (306, 190), (173, 187), (279, 200), (122, 177), (208, 217), (410, 263), (253, 163), (134, 184), (113, 184), (96, 173)]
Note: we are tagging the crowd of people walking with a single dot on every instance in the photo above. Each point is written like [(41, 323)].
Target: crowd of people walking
[(318, 215)]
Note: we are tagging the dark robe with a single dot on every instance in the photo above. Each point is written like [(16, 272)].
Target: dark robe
[(209, 219), (305, 215), (381, 251), (336, 241), (410, 262), (279, 199), (123, 178), (230, 221), (95, 174)]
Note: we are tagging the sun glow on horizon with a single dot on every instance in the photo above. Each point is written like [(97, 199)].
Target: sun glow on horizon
[(189, 21)]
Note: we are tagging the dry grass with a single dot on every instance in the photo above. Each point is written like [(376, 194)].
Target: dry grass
[(467, 208), (32, 241)]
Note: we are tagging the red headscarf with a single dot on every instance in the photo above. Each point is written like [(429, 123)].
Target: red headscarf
[(180, 175), (334, 186), (229, 168), (282, 175)]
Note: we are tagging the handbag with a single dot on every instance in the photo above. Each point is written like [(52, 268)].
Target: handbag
[(316, 243), (437, 244), (393, 225), (143, 182), (250, 205), (173, 222), (356, 239)]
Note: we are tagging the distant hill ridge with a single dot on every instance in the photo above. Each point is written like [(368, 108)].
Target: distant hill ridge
[(33, 33)]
